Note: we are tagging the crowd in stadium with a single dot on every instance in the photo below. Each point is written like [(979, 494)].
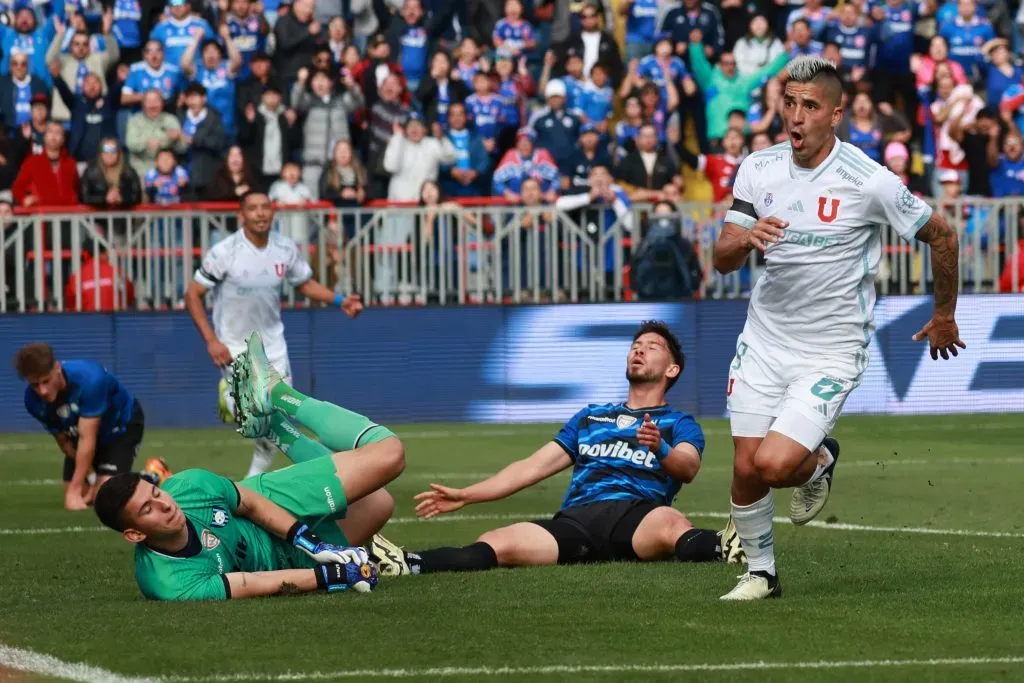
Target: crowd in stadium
[(116, 103)]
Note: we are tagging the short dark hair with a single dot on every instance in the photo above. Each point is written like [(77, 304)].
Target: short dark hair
[(252, 193), (195, 89), (112, 498), (34, 360), (670, 205), (661, 329)]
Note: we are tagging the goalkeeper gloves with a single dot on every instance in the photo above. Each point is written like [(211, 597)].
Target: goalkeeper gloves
[(305, 540)]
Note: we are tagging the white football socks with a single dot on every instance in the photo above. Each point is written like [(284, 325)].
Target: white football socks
[(262, 457), (823, 464), (754, 527)]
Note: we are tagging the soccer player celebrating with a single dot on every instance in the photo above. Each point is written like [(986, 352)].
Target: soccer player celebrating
[(629, 461), (96, 421), (199, 536), (245, 272), (815, 206)]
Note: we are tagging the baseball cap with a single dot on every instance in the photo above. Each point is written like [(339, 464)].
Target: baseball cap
[(588, 128), (555, 88), (414, 116), (895, 150), (40, 98), (527, 133), (949, 176)]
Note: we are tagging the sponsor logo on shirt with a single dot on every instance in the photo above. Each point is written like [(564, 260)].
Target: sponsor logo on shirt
[(846, 175), (619, 450), (330, 499)]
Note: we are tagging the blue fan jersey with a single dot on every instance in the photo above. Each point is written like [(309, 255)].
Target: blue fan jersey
[(91, 392), (641, 22), (220, 92), (128, 23), (609, 464), (245, 34), (142, 78), (486, 115), (855, 44), (1008, 178), (965, 41), (176, 36), (896, 37)]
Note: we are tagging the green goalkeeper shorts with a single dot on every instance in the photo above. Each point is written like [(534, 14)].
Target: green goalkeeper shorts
[(311, 491)]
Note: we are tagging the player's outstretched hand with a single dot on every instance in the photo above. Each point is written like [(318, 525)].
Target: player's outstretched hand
[(767, 231), (440, 500), (648, 434), (943, 336), (352, 305), (219, 353)]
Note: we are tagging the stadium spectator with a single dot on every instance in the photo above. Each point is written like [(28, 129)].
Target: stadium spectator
[(727, 89), (596, 46), (485, 110), (926, 66), (153, 73), (856, 40), (596, 100), (814, 14), (268, 135), (515, 84), (513, 32), (290, 191), (93, 116), (1008, 167), (204, 137), (296, 35), (150, 131), (249, 90), (385, 114), (572, 78), (216, 74), (647, 174), (765, 115), (575, 169), (467, 61), (17, 89), (409, 36), (79, 62), (661, 68), (605, 205), (966, 35), (895, 20), (439, 90), (27, 38), (641, 25), (802, 42), (127, 28), (49, 178), (685, 17), (897, 160), (952, 103), (557, 128), (481, 18), (109, 182), (869, 130), (757, 48), (343, 182), (719, 168), (1002, 71), (526, 160), (167, 182), (364, 22), (248, 31), (372, 72), (233, 179), (975, 138), (13, 149), (326, 113), (468, 175), (627, 127), (412, 158), (35, 130), (176, 31)]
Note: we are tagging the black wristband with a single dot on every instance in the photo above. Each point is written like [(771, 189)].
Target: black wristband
[(321, 577), (294, 531)]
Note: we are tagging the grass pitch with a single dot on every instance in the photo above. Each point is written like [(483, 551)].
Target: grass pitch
[(914, 574)]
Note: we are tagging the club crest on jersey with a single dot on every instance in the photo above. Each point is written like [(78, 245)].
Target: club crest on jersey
[(833, 209), (623, 421), (208, 540), (768, 199), (220, 517), (279, 269)]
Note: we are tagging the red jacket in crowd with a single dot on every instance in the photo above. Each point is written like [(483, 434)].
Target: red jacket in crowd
[(49, 186)]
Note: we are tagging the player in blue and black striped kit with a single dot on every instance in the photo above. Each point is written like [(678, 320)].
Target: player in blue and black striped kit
[(629, 461), (97, 422)]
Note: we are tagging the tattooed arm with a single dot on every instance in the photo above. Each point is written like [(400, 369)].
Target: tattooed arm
[(941, 331), (262, 584)]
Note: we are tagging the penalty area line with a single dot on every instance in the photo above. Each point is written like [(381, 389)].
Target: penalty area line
[(482, 671)]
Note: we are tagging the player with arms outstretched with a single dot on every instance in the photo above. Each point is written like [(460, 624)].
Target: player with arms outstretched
[(245, 271), (200, 536), (816, 207), (629, 461)]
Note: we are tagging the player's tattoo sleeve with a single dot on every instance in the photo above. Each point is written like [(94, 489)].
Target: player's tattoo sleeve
[(945, 246)]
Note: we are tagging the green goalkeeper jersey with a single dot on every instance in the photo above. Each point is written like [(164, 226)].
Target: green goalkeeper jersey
[(219, 543)]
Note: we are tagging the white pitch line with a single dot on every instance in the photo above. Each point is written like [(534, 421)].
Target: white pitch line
[(519, 516), (46, 665), (478, 671)]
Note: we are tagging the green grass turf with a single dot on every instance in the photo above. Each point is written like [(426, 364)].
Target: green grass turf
[(849, 595)]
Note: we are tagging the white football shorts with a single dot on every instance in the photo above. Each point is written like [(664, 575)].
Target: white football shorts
[(773, 388)]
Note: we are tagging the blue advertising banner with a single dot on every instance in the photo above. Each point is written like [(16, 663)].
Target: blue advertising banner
[(518, 364)]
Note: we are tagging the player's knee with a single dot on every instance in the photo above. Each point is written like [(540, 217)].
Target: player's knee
[(385, 504), (393, 458), (503, 550), (772, 468), (744, 467)]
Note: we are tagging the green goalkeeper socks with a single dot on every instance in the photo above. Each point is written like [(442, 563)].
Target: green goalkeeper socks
[(293, 443), (336, 427)]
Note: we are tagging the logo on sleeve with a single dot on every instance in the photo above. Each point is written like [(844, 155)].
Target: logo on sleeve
[(208, 540), (220, 517), (768, 199), (906, 202)]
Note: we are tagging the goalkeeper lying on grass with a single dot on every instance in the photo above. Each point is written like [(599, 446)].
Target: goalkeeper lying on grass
[(200, 536)]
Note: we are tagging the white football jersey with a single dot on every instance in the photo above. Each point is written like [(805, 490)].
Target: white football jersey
[(246, 283), (817, 293)]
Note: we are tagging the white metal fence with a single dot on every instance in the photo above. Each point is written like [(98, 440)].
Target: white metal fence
[(85, 260)]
